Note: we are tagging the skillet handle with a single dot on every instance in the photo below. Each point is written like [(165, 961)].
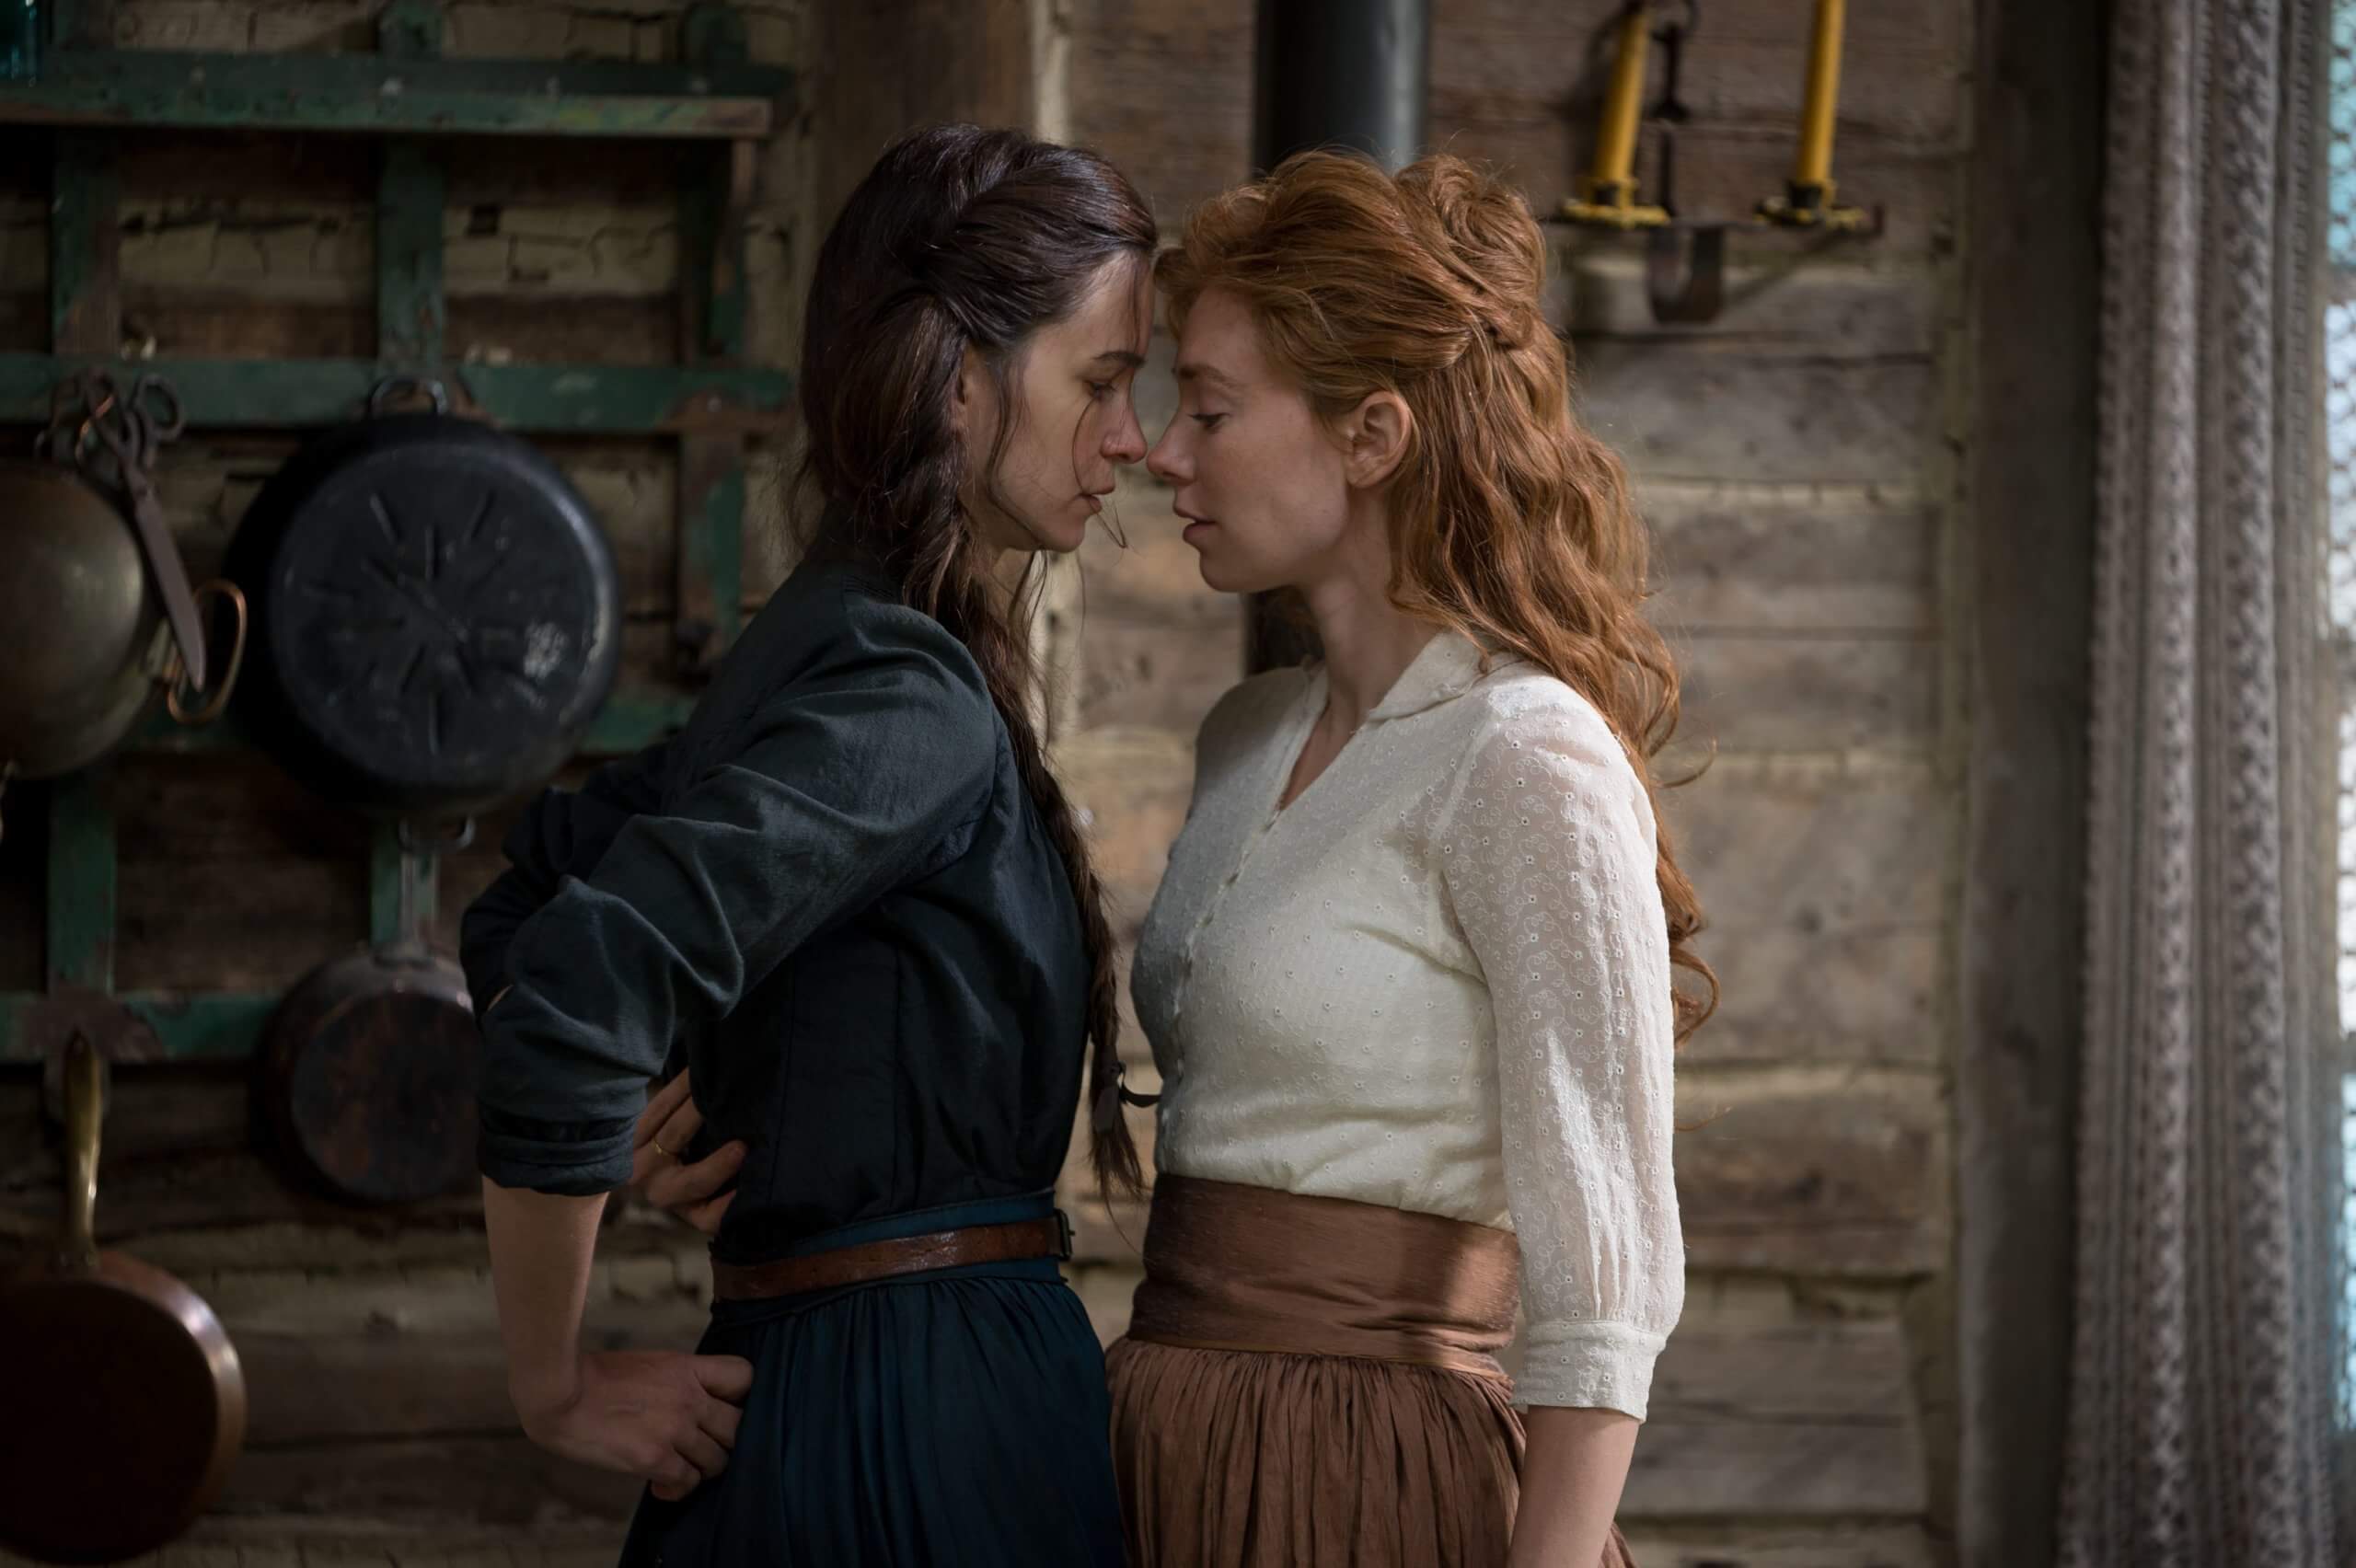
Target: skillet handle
[(437, 394), (86, 1110)]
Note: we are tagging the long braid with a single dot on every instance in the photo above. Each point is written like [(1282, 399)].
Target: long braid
[(967, 605), (963, 238)]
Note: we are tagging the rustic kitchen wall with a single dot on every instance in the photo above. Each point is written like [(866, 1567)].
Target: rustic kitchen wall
[(380, 1428), (1795, 457)]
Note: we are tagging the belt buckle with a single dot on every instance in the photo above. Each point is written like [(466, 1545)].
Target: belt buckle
[(1063, 1237)]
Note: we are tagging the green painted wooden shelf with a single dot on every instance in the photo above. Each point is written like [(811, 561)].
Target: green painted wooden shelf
[(631, 719), (415, 95), (215, 1026), (418, 103), (229, 393)]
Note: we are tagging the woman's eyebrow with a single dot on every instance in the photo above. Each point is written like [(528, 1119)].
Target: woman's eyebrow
[(1218, 378), (1127, 357)]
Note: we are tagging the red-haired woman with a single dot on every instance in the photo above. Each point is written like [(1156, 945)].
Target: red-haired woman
[(1408, 980)]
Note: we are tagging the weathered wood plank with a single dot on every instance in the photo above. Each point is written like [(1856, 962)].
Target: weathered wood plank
[(1788, 692), (1815, 559), (448, 1482), (1781, 299), (1789, 1422), (233, 876), (1155, 672), (1902, 65), (1813, 1172), (340, 1358), (1131, 785), (1810, 844), (1679, 411), (1762, 1546), (1165, 91), (265, 1540), (1793, 994), (1822, 886)]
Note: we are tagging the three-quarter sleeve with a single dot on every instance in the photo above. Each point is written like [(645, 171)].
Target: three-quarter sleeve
[(848, 780), (563, 833), (1548, 862)]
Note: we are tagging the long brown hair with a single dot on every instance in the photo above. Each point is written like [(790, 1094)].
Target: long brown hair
[(1511, 521), (961, 237)]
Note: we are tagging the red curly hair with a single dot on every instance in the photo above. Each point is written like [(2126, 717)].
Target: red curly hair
[(1511, 521)]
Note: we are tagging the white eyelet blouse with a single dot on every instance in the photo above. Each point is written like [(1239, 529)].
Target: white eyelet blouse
[(1438, 980)]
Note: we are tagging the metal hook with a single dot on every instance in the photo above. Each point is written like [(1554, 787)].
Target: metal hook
[(1686, 282)]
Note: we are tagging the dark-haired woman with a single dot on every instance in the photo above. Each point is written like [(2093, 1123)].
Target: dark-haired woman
[(852, 895)]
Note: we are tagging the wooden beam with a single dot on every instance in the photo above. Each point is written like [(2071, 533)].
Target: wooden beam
[(2036, 196)]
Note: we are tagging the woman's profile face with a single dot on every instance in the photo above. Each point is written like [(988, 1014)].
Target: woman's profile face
[(1259, 478), (1074, 420)]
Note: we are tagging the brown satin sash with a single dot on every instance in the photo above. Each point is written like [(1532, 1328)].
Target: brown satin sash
[(1231, 1267)]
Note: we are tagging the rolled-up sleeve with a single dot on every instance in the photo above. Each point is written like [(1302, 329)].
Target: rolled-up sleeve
[(838, 787), (1549, 864), (563, 833)]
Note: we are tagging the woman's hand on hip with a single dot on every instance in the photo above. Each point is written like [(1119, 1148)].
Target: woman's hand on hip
[(664, 1416), (699, 1193)]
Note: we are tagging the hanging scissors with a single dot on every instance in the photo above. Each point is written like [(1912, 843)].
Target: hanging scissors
[(129, 424)]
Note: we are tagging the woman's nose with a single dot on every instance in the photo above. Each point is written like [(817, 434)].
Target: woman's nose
[(1127, 442), (1166, 462)]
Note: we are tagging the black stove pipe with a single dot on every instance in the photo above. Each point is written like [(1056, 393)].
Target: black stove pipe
[(1348, 74)]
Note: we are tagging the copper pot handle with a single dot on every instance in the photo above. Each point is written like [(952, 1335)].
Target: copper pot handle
[(176, 672), (86, 1110)]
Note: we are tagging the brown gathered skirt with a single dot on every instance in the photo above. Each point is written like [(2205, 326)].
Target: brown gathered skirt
[(1313, 1383)]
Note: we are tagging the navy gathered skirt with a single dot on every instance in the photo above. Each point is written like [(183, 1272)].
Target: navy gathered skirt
[(957, 1417)]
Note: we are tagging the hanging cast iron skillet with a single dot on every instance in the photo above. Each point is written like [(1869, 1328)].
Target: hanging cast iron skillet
[(437, 615), (367, 1071)]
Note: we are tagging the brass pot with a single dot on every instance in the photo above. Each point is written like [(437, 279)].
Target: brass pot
[(83, 645)]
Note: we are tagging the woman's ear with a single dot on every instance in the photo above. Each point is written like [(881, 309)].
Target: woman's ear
[(1376, 433), (967, 396)]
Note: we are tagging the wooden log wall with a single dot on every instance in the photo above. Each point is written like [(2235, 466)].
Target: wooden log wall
[(1795, 459)]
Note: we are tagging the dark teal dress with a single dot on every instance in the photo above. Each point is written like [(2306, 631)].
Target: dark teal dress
[(832, 897)]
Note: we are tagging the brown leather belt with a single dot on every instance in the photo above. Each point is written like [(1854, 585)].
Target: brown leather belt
[(1047, 1237)]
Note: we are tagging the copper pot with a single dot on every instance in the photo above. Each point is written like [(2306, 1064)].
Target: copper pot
[(83, 648)]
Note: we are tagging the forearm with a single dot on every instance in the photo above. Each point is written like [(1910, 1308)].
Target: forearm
[(541, 1247), (1572, 1473)]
